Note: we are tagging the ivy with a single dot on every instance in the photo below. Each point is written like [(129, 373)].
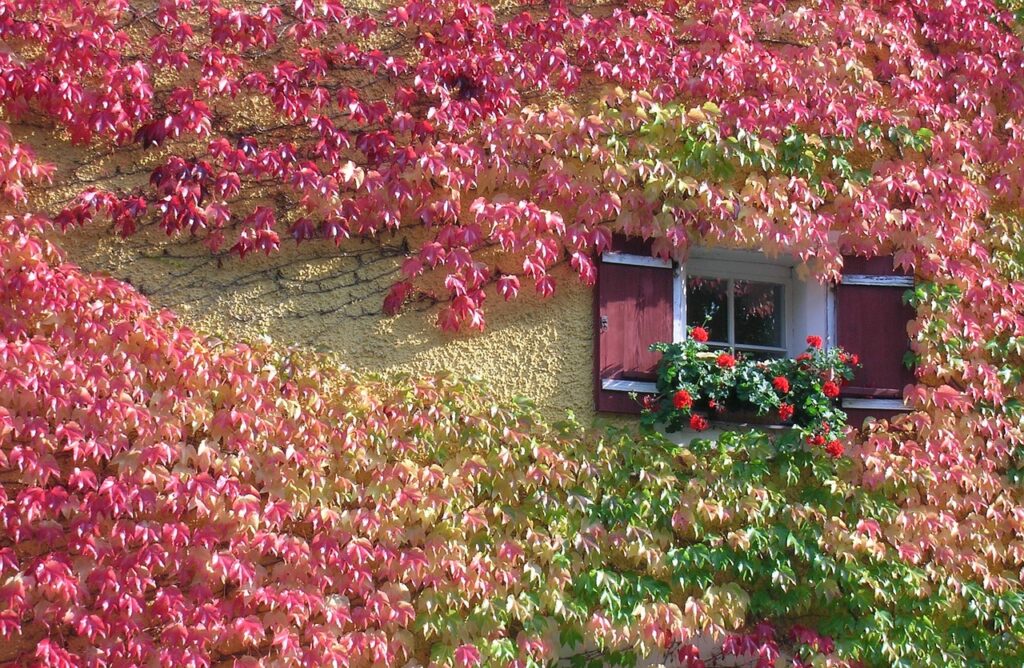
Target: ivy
[(170, 501), (420, 513)]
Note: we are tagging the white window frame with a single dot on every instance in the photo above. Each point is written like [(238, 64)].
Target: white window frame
[(755, 272)]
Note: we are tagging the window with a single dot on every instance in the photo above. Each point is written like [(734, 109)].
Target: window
[(743, 307), (752, 304)]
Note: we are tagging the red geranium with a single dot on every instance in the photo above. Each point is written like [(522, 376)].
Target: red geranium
[(834, 448), (726, 361), (814, 341), (830, 389), (698, 422), (781, 384), (699, 334), (785, 412), (682, 400)]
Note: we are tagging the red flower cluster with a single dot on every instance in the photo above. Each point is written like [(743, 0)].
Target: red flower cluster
[(835, 448), (726, 361), (800, 391), (814, 341)]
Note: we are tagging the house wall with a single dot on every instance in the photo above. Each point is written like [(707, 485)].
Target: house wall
[(326, 298), (330, 299)]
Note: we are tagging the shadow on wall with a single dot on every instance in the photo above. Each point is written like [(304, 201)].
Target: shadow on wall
[(330, 299)]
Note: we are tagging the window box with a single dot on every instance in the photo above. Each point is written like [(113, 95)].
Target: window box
[(740, 417), (697, 386)]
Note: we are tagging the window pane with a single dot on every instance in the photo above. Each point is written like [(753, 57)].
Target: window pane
[(707, 303), (761, 355), (758, 313)]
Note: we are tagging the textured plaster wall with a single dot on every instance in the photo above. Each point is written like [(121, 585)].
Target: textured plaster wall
[(330, 299)]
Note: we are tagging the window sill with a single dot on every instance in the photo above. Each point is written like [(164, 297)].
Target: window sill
[(620, 385), (722, 426), (864, 403)]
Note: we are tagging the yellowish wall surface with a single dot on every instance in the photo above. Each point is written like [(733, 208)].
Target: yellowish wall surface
[(329, 299)]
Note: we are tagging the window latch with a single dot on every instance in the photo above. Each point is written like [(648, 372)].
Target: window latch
[(604, 323)]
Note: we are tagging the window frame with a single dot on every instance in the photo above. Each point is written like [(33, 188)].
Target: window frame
[(772, 273)]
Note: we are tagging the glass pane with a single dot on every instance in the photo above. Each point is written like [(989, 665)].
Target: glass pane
[(758, 313), (707, 304), (760, 355)]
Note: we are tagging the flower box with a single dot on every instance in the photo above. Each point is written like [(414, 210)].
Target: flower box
[(749, 417), (697, 386)]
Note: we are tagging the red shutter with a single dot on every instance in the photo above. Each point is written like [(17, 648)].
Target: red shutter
[(871, 321), (633, 309)]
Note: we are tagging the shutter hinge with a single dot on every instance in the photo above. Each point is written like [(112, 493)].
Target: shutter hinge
[(604, 323)]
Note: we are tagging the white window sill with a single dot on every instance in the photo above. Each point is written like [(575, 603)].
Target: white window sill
[(638, 386)]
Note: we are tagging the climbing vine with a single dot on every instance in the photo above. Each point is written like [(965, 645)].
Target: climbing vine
[(522, 137), (168, 499)]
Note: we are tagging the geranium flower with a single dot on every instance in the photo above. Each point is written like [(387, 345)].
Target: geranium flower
[(834, 448), (814, 341), (682, 400), (830, 389), (785, 412), (699, 334), (781, 384), (726, 361), (698, 422)]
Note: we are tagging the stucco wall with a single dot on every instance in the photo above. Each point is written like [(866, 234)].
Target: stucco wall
[(330, 299)]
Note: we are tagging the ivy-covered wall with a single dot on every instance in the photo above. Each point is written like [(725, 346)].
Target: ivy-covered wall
[(167, 498), (327, 298), (330, 300)]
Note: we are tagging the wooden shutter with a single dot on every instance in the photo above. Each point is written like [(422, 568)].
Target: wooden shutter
[(634, 306), (871, 321)]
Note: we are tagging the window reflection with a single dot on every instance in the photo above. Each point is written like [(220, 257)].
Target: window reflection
[(707, 305), (742, 314), (758, 313)]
